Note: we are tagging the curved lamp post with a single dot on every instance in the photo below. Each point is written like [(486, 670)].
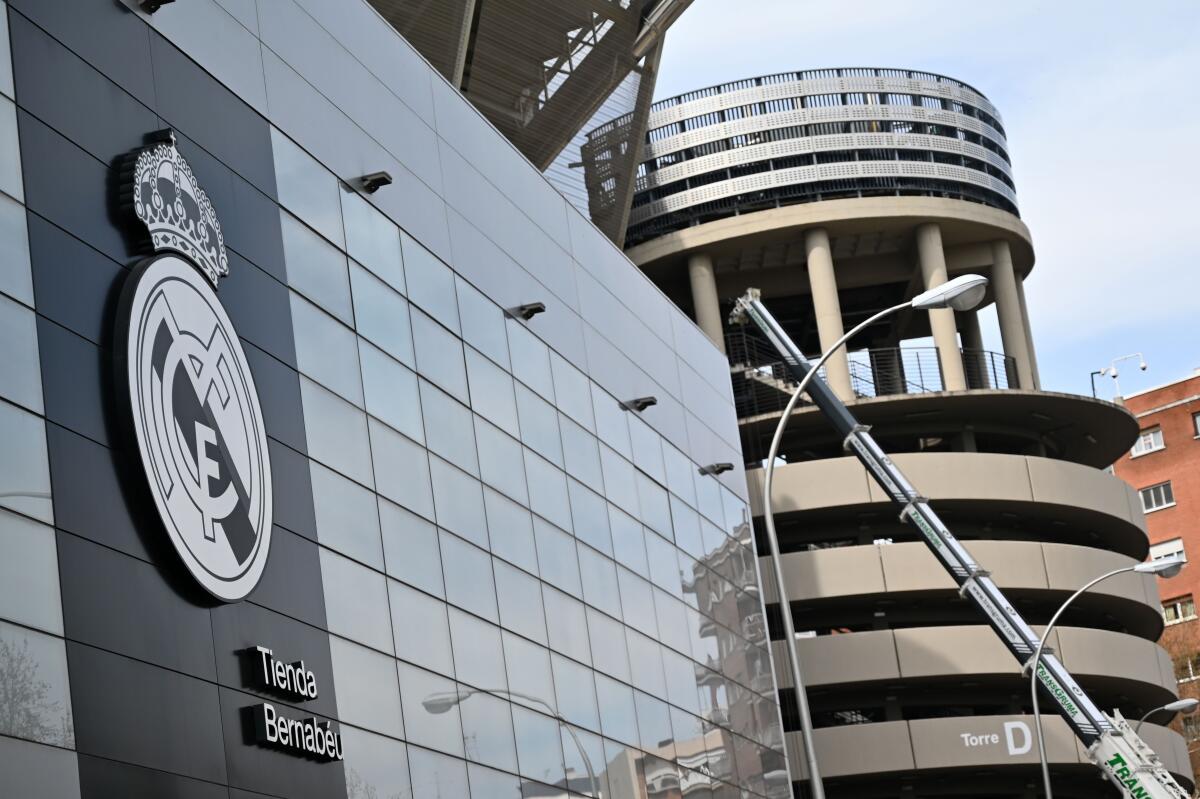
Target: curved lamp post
[(1164, 567), (443, 703), (1184, 706), (960, 294)]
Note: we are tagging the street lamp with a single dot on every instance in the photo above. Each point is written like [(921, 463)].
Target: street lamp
[(444, 702), (1163, 567), (1184, 706), (960, 294)]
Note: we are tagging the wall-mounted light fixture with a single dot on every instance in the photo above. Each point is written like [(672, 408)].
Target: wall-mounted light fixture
[(374, 181), (639, 404), (150, 6), (526, 311), (716, 468)]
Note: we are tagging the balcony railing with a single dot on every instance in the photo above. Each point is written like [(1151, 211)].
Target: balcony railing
[(762, 383)]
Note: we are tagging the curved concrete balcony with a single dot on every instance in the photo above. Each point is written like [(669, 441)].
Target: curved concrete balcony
[(973, 743), (1073, 428), (1137, 667), (984, 482), (896, 572)]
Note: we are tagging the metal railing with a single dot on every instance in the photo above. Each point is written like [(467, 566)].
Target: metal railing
[(762, 383)]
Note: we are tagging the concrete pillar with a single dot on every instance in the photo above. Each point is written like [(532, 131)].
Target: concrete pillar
[(975, 363), (828, 310), (1008, 312), (941, 320), (1033, 364), (704, 297)]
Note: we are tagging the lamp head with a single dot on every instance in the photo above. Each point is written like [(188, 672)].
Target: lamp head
[(1163, 567), (442, 703), (960, 294), (1182, 706)]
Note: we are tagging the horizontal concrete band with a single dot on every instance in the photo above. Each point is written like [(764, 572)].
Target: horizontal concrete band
[(718, 101), (960, 222), (927, 744), (968, 652), (843, 482), (910, 567), (814, 116), (815, 174), (816, 144)]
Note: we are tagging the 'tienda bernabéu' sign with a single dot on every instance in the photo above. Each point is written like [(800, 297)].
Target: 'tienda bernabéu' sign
[(308, 737)]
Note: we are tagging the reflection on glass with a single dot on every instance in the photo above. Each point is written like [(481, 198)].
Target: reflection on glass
[(458, 501), (355, 601), (510, 530), (539, 750), (441, 731), (492, 394), (489, 784), (600, 588), (478, 651), (35, 695), (520, 600), (315, 268), (609, 653), (482, 323), (654, 725), (16, 279), (547, 490), (528, 670), (637, 601), (376, 766), (346, 516), (336, 432), (583, 754), (436, 776), (612, 421), (581, 454), (647, 449), (589, 515), (501, 464), (372, 239), (439, 355), (556, 557), (619, 483), (421, 630), (306, 188), (430, 282), (25, 474), (530, 359), (468, 574), (664, 564), (367, 692), (381, 315), (566, 624), (645, 660), (448, 428), (571, 391), (652, 502), (618, 719), (29, 591), (629, 545), (539, 425), (576, 692), (21, 377), (402, 467), (410, 548), (390, 391), (488, 731)]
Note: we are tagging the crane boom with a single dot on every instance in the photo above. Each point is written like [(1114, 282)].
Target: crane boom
[(1109, 740)]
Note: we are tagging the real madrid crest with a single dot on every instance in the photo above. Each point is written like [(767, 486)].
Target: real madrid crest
[(194, 406)]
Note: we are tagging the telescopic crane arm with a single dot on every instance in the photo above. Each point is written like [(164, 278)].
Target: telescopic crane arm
[(1110, 741)]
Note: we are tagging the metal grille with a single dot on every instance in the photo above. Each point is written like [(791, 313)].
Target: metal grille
[(762, 383)]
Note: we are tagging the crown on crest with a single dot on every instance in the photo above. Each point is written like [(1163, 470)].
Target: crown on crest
[(175, 210)]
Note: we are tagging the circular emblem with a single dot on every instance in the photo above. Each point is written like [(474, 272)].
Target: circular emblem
[(199, 426)]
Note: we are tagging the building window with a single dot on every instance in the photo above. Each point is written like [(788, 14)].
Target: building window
[(1191, 729), (1187, 667), (1196, 424), (1157, 497), (1149, 441), (1180, 609), (1168, 549)]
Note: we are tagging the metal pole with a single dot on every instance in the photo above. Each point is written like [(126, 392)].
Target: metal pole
[(1036, 662), (789, 630)]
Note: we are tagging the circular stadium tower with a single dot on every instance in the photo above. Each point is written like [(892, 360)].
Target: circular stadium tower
[(839, 193)]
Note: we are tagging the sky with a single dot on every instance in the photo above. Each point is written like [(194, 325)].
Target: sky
[(1101, 106)]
